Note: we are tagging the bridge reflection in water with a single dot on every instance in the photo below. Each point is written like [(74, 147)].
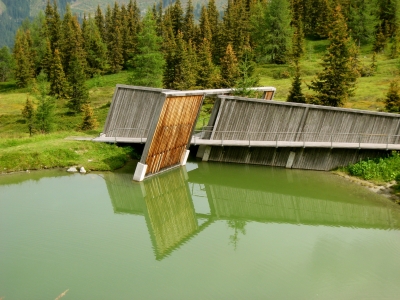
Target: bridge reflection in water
[(178, 205)]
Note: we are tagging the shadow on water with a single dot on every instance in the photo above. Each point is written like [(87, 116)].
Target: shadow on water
[(178, 205)]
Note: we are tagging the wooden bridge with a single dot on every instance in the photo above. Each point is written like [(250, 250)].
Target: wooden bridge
[(243, 130)]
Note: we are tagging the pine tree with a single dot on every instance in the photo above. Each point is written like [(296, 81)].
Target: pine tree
[(53, 24), (337, 81), (78, 91), (6, 64), (28, 113), (88, 121), (298, 34), (205, 29), (208, 75), (149, 62), (23, 65), (229, 68), (47, 59), (177, 17), (189, 29), (246, 79), (115, 50), (392, 101), (58, 83), (95, 49), (44, 116), (295, 93), (362, 20), (100, 22), (278, 31)]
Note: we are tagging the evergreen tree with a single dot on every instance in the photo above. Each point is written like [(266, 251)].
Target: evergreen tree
[(58, 83), (149, 62), (47, 59), (392, 101), (297, 25), (177, 17), (133, 25), (95, 49), (100, 22), (89, 122), (6, 64), (44, 116), (23, 72), (246, 79), (208, 75), (278, 31), (28, 113), (337, 81), (205, 29), (229, 68), (295, 93), (362, 20), (169, 49), (78, 91), (53, 25), (115, 50), (37, 40), (189, 28)]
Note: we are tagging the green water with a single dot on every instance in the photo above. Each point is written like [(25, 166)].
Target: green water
[(207, 231)]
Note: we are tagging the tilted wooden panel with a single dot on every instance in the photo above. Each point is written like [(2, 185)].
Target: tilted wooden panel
[(131, 111), (173, 132)]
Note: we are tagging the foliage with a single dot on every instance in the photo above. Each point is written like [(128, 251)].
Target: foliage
[(379, 169), (6, 64), (45, 106), (276, 39), (295, 93), (88, 122), (246, 80), (229, 68), (336, 83), (28, 113), (78, 92), (148, 63), (392, 101)]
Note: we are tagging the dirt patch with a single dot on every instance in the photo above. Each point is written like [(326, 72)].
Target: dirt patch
[(384, 189)]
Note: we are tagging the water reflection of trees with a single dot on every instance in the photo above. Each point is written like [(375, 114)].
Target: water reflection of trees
[(167, 202), (239, 227)]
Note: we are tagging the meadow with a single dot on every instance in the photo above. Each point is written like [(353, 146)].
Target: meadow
[(369, 95)]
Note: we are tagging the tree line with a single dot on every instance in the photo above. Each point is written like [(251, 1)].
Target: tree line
[(167, 47)]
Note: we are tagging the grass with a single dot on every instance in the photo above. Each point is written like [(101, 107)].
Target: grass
[(54, 151)]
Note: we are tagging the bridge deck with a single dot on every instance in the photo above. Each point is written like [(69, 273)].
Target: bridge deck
[(267, 144)]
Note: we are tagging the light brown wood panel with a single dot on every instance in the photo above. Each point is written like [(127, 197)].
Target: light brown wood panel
[(173, 131)]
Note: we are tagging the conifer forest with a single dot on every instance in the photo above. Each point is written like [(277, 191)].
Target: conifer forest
[(166, 46)]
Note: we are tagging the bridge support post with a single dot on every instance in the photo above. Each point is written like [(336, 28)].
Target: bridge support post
[(184, 157), (200, 151), (207, 152), (290, 160), (140, 172)]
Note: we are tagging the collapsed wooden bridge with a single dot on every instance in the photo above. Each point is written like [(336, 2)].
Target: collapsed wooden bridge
[(243, 130)]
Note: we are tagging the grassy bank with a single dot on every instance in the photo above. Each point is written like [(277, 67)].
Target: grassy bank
[(53, 150)]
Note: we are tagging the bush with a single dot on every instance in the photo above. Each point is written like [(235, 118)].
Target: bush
[(379, 169)]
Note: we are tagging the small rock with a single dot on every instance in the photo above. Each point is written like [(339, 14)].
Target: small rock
[(89, 160), (82, 170), (72, 169)]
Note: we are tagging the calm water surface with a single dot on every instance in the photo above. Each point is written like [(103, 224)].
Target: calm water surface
[(207, 231)]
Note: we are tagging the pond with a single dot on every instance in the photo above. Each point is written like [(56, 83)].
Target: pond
[(204, 231)]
